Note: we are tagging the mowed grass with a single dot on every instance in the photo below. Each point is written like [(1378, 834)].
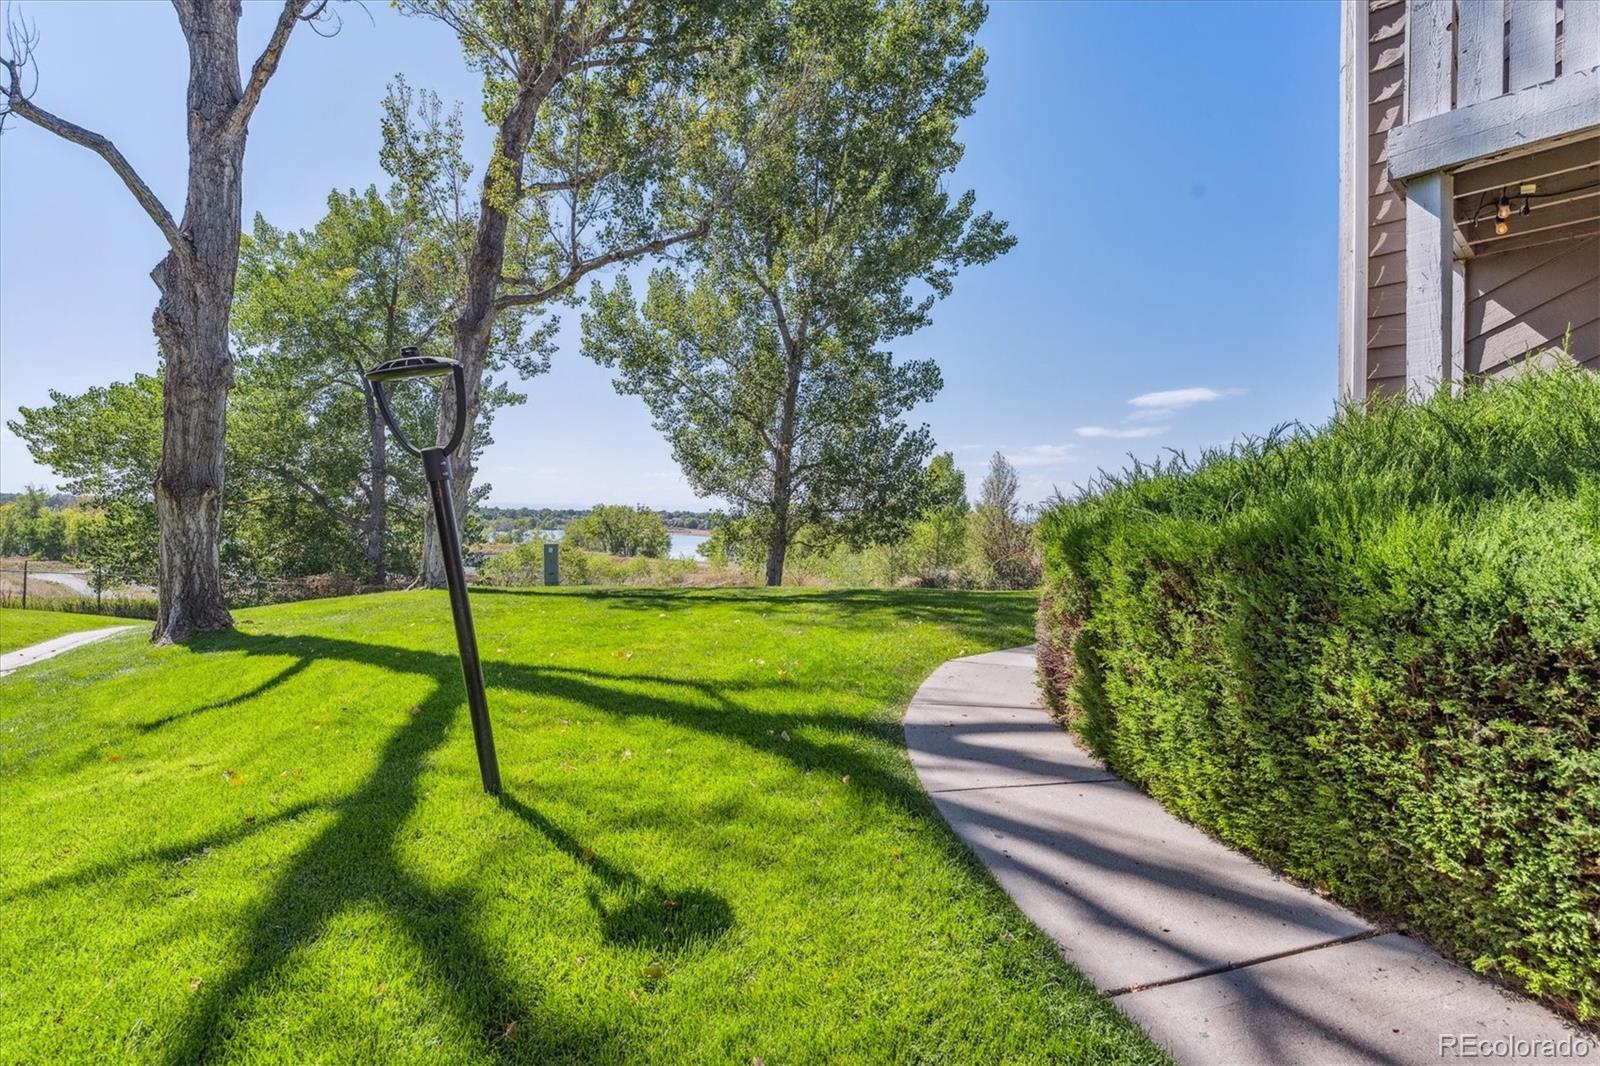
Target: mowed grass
[(271, 845), (19, 628)]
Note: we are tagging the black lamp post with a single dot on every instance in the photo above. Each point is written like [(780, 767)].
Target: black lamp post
[(435, 465)]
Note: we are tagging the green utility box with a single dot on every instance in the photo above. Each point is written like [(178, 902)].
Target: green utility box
[(552, 564)]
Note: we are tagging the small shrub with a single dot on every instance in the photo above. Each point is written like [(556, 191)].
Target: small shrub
[(1370, 655)]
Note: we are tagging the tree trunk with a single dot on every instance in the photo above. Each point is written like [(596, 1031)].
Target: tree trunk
[(470, 334), (777, 544), (377, 494), (191, 323), (783, 458)]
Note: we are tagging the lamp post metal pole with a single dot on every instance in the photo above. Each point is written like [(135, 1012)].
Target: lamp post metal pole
[(436, 466)]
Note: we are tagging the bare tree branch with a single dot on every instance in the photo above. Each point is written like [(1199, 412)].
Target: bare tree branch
[(267, 63), (17, 103), (588, 266)]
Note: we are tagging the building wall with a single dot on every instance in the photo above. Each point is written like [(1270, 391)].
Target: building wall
[(1527, 300), (1386, 206)]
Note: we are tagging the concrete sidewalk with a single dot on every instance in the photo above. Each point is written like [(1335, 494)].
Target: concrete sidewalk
[(49, 649), (1213, 955)]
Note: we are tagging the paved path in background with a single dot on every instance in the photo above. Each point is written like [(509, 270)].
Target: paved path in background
[(49, 649), (1213, 955)]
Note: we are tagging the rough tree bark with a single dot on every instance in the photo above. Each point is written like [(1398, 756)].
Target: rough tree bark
[(195, 280)]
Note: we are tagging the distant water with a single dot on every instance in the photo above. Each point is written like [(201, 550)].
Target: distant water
[(684, 545)]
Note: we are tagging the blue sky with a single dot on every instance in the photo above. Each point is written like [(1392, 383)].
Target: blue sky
[(1170, 171)]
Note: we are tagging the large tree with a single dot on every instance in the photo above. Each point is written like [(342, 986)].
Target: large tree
[(195, 279), (765, 366), (318, 306), (620, 126)]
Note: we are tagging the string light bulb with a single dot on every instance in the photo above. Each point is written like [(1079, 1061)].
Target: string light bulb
[(1527, 205), (1501, 227), (1504, 210)]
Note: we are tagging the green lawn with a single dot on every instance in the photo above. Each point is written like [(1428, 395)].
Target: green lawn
[(19, 628), (271, 846)]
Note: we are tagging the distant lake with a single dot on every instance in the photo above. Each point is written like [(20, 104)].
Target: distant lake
[(684, 545)]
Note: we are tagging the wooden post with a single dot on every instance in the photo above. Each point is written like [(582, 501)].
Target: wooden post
[(1430, 281), (1430, 219), (24, 581), (1458, 323)]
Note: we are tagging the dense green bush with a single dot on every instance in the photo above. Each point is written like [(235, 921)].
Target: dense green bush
[(1370, 655)]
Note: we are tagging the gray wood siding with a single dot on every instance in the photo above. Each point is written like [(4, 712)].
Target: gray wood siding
[(1526, 300), (1386, 208)]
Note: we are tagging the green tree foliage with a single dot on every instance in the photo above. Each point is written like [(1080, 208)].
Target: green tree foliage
[(28, 526), (938, 540), (314, 307), (762, 361), (1002, 543), (106, 444), (618, 530), (621, 128)]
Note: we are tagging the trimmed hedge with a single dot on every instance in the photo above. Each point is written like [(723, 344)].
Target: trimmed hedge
[(1368, 655)]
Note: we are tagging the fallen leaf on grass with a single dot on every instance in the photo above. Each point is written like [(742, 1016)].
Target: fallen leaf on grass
[(113, 758), (194, 986), (785, 736)]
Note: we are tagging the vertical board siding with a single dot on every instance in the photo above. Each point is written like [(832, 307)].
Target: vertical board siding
[(1480, 51), (1430, 58), (1385, 52), (1533, 42), (1529, 299), (1581, 36)]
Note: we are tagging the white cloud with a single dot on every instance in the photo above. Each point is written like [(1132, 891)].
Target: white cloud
[(1131, 433), (1171, 399), (1040, 455)]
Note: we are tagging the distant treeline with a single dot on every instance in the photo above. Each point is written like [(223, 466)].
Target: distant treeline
[(508, 519)]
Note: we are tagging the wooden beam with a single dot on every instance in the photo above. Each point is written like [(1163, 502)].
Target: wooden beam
[(1533, 42), (1580, 209), (1519, 242), (1429, 58), (1480, 51), (1430, 281), (1532, 166), (1566, 107), (1581, 38)]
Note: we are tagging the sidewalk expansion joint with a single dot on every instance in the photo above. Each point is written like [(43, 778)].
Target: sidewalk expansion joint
[(982, 705), (1229, 967), (1025, 784)]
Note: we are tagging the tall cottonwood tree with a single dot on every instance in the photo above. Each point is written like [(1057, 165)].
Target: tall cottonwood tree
[(316, 307), (195, 279), (621, 127), (764, 366)]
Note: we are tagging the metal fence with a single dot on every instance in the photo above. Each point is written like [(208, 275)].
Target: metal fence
[(29, 582)]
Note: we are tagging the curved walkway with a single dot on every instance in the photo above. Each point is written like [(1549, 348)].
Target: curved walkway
[(49, 649), (1216, 957)]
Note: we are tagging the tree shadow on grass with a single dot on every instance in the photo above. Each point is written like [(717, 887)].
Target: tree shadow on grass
[(355, 859), (976, 616)]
